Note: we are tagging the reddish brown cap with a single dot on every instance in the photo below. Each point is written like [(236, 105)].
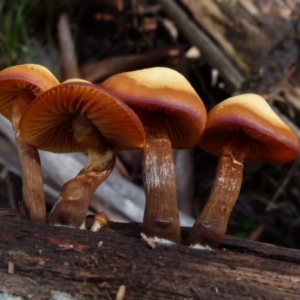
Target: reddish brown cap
[(272, 139), (47, 122), (31, 77), (166, 90)]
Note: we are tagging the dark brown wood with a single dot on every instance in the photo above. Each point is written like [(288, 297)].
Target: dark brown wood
[(259, 37), (46, 261)]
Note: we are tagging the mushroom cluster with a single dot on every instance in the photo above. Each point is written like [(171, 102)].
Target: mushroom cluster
[(154, 109), (79, 116)]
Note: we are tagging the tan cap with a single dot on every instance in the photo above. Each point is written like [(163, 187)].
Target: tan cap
[(272, 139), (167, 91), (31, 77)]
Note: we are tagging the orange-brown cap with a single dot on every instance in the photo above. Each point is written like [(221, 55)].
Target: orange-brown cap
[(47, 122), (101, 218), (272, 139), (31, 77), (166, 90)]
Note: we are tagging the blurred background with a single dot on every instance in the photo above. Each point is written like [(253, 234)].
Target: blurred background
[(222, 49)]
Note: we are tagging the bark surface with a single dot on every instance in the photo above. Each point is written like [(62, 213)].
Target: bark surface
[(39, 261)]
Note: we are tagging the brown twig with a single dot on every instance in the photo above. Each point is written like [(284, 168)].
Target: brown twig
[(121, 292), (67, 48), (98, 71), (148, 241)]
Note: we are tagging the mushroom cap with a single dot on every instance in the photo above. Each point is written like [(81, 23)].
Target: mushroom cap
[(272, 139), (47, 122), (164, 90), (101, 218), (31, 77)]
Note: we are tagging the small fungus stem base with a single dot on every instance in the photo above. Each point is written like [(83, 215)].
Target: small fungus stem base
[(73, 202), (210, 227), (161, 217), (32, 178)]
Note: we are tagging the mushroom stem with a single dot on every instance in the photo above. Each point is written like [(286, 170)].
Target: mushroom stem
[(32, 179), (161, 217), (73, 202), (210, 227)]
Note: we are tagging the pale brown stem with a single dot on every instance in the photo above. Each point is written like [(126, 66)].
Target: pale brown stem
[(32, 179), (210, 227), (161, 217), (73, 202)]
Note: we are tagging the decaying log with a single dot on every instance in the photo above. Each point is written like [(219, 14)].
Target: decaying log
[(39, 261), (259, 37), (200, 39)]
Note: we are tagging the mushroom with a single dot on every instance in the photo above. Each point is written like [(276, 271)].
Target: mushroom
[(79, 116), (240, 129), (19, 85), (173, 116), (100, 220)]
